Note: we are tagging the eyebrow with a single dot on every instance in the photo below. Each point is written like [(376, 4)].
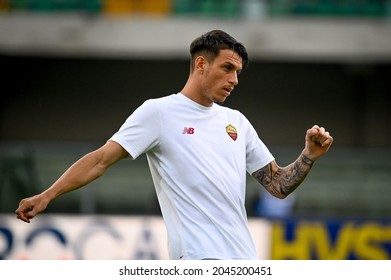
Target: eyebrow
[(233, 66)]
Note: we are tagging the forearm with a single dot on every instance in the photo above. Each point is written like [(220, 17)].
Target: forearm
[(281, 181), (81, 173)]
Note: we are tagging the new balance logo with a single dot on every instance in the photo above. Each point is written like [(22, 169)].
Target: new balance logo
[(188, 130)]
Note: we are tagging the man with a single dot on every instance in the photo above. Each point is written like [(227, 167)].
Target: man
[(198, 153)]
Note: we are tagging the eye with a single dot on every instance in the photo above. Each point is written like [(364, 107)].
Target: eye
[(228, 68), (231, 68)]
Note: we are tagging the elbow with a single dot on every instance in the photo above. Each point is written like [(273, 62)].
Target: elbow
[(286, 190), (280, 195), (283, 193), (277, 191)]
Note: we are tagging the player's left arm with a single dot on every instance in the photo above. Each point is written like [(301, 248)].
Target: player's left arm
[(281, 181)]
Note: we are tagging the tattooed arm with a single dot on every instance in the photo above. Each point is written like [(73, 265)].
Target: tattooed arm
[(281, 181)]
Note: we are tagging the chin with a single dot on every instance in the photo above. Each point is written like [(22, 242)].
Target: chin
[(219, 100)]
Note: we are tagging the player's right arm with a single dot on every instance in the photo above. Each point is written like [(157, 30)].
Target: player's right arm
[(85, 170)]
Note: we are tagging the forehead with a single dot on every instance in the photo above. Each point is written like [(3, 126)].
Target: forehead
[(229, 56)]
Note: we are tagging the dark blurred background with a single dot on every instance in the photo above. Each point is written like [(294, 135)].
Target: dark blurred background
[(72, 71)]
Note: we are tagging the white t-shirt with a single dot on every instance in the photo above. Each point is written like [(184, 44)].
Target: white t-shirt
[(198, 157)]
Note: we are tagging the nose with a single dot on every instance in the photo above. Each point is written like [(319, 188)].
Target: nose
[(233, 79)]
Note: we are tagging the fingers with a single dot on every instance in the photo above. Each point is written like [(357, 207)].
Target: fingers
[(25, 211), (22, 216), (319, 135), (326, 139)]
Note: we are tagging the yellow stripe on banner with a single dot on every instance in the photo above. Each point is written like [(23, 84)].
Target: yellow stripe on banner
[(159, 7), (118, 6), (156, 7)]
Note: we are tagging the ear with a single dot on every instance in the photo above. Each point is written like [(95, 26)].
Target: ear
[(200, 64)]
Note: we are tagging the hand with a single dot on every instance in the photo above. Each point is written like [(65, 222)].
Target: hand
[(30, 207), (317, 142)]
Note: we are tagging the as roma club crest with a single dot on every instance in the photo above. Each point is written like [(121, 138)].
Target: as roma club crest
[(232, 132)]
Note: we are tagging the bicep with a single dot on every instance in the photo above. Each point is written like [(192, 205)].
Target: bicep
[(111, 153)]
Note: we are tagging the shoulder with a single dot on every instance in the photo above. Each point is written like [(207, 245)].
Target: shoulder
[(155, 103), (161, 101), (231, 112)]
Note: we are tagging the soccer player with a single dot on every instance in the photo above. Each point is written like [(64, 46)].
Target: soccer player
[(198, 152)]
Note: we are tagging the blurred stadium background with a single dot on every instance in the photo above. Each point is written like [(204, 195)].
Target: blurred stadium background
[(72, 71)]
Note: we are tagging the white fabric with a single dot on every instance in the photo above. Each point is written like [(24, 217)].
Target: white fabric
[(199, 173)]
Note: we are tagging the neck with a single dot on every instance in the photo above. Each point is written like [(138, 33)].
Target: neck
[(193, 91)]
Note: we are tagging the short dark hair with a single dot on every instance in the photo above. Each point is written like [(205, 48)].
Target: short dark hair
[(210, 44)]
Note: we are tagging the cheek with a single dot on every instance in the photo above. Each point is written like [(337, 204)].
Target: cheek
[(213, 79), (212, 86)]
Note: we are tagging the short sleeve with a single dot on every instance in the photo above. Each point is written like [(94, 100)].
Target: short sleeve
[(257, 154), (140, 132)]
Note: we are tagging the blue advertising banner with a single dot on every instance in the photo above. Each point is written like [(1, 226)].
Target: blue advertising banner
[(92, 237), (141, 237)]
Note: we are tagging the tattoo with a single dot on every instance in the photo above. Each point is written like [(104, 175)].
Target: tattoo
[(284, 180), (306, 160)]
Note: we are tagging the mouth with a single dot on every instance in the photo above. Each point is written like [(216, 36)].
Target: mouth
[(228, 90)]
